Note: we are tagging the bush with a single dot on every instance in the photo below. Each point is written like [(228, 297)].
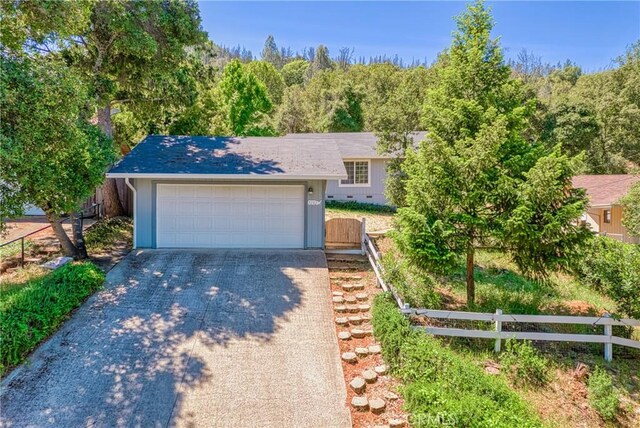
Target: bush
[(105, 233), (525, 365), (613, 268), (34, 310), (416, 288), (359, 206), (441, 387), (603, 396)]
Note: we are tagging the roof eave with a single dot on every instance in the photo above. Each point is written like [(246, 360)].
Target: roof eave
[(187, 176)]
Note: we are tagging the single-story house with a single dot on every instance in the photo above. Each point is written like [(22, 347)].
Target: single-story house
[(366, 168), (604, 214), (223, 192)]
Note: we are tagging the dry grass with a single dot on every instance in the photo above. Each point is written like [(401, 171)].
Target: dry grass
[(374, 221)]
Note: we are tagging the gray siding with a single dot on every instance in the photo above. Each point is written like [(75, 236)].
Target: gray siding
[(145, 216), (373, 194)]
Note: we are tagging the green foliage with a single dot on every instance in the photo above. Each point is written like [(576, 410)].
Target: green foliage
[(613, 268), (441, 386), (416, 287), (603, 396), (631, 210), (294, 72), (34, 310), (270, 53), (107, 232), (525, 366), (245, 101), (292, 115), (52, 158), (335, 104), (359, 206), (270, 78)]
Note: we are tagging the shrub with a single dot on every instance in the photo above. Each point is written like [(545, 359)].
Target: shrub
[(441, 387), (416, 288), (613, 268), (359, 206), (107, 232), (525, 365), (603, 396), (34, 310)]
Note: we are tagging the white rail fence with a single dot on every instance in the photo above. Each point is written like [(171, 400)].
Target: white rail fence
[(498, 334)]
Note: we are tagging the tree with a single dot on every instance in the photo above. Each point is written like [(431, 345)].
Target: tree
[(321, 61), (631, 210), (128, 51), (334, 103), (270, 52), (476, 181), (292, 115), (270, 78), (51, 156), (244, 100), (293, 72)]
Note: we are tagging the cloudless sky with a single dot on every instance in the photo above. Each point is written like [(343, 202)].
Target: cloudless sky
[(591, 34)]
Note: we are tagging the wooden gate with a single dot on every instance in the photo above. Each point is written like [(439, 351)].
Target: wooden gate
[(344, 234)]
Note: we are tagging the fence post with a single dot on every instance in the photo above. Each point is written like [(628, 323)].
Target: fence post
[(608, 346), (22, 252), (363, 235), (498, 323)]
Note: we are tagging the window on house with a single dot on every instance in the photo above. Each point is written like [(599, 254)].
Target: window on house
[(607, 216), (357, 173)]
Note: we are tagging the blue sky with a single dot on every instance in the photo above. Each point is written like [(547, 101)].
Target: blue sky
[(589, 33)]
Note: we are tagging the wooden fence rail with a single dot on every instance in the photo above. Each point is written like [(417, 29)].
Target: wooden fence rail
[(499, 319)]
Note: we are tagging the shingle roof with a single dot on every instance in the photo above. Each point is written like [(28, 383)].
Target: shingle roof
[(605, 190), (255, 157), (352, 145)]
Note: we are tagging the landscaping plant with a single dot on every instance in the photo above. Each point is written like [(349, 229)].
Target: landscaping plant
[(603, 396), (524, 365)]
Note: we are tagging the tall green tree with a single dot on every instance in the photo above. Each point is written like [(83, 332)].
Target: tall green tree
[(245, 101), (476, 181), (292, 115), (293, 72), (270, 78), (631, 210), (321, 61), (51, 156), (270, 52)]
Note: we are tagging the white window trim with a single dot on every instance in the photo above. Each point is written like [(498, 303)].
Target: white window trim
[(368, 161)]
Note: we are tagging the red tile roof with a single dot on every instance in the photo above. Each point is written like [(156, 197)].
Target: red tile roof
[(605, 190)]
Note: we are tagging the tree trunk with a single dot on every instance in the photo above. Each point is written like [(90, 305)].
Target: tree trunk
[(78, 236), (471, 285), (67, 246), (110, 197)]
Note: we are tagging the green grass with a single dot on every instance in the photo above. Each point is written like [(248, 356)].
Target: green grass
[(359, 207), (14, 249), (106, 233), (441, 386), (34, 309)]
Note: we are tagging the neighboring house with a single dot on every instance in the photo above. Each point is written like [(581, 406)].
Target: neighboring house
[(220, 192), (365, 167), (604, 214)]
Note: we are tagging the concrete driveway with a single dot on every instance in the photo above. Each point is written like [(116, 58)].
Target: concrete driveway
[(191, 338)]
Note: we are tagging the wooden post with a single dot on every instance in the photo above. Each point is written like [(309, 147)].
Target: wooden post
[(498, 323), (363, 234), (608, 346)]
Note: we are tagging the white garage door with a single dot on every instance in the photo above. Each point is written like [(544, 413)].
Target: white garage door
[(229, 216)]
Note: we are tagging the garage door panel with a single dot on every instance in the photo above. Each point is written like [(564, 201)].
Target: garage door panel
[(228, 216)]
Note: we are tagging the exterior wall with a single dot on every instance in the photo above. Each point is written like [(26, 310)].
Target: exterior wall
[(615, 229), (372, 194), (145, 216)]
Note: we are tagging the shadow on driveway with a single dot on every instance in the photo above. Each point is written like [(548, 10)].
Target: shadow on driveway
[(191, 338)]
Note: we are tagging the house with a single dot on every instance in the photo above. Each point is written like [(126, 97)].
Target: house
[(222, 192), (365, 167), (604, 214)]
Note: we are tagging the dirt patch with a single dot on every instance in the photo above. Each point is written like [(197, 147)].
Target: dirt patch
[(374, 221)]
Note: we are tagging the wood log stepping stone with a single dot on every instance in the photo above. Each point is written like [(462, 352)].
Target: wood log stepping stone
[(353, 309), (374, 349), (364, 308), (360, 403), (344, 335), (381, 369), (357, 333), (369, 376), (350, 300), (377, 405), (349, 357), (362, 352), (391, 396), (358, 385), (338, 293), (365, 317), (347, 287), (367, 331), (355, 320), (340, 308), (396, 423), (358, 286), (338, 299), (342, 321), (362, 296)]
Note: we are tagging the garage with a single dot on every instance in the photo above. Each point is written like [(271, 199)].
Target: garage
[(229, 192), (230, 216)]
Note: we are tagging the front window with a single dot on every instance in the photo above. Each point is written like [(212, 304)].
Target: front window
[(607, 216), (357, 173)]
